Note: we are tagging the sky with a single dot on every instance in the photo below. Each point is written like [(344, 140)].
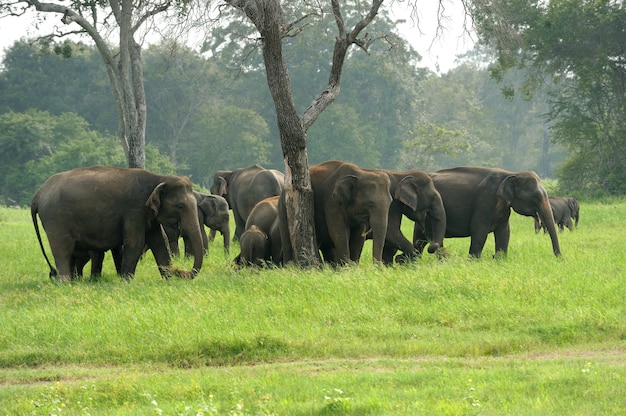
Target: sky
[(438, 51)]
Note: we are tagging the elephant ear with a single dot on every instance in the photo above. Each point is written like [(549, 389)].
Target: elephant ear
[(407, 192), (222, 186), (508, 188), (344, 188), (154, 200), (572, 203), (207, 205)]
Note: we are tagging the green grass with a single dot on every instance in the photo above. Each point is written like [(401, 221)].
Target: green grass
[(527, 334)]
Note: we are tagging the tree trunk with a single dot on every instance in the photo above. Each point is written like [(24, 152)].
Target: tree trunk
[(267, 16), (298, 190)]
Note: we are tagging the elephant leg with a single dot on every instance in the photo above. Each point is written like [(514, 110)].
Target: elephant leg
[(357, 240), (569, 224), (117, 254), (157, 244), (341, 243), (389, 252), (78, 262), (240, 226), (175, 248), (501, 235), (97, 259), (420, 240), (63, 251)]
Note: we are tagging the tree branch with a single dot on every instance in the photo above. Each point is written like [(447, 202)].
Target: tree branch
[(342, 43)]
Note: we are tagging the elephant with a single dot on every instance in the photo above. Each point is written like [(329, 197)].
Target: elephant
[(264, 219), (478, 201), (244, 187), (255, 247), (99, 208), (563, 210), (212, 212), (348, 202), (414, 196)]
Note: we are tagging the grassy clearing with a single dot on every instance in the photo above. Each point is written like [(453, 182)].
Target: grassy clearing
[(528, 334)]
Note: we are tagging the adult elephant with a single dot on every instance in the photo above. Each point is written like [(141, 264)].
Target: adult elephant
[(260, 242), (212, 212), (243, 188), (348, 201), (478, 201), (100, 208), (564, 209), (414, 196)]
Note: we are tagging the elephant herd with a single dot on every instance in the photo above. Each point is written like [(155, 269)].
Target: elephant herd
[(88, 211)]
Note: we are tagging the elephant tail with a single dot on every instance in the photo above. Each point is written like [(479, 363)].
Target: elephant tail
[(33, 212)]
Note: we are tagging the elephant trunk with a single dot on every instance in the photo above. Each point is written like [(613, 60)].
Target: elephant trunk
[(437, 214), (226, 234), (547, 220), (191, 228), (379, 231)]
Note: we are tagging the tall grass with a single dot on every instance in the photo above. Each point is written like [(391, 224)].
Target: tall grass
[(526, 334)]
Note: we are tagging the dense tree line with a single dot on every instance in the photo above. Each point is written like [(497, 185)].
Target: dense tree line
[(211, 111), (577, 47)]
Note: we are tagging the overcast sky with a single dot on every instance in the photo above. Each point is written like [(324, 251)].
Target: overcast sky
[(437, 50)]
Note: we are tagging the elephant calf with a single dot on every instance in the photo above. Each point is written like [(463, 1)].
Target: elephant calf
[(563, 210), (260, 242), (243, 188), (213, 212)]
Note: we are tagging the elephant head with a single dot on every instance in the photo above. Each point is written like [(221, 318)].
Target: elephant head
[(220, 183), (418, 193), (173, 204), (524, 193), (213, 213), (364, 199)]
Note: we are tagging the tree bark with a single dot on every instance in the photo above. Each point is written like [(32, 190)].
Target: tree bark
[(267, 16), (298, 190), (125, 72)]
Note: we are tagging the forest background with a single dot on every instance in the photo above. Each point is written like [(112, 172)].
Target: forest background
[(210, 109)]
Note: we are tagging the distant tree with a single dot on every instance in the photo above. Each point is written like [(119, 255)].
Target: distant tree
[(127, 19), (224, 137), (378, 89), (67, 77), (269, 19), (35, 145), (578, 44)]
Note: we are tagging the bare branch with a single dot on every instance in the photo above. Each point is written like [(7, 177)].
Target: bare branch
[(156, 10), (343, 41)]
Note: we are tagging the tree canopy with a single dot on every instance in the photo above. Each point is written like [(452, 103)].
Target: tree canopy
[(579, 47)]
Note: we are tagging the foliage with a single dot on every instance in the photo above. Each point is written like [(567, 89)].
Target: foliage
[(35, 145), (579, 46), (224, 137), (529, 332), (35, 76)]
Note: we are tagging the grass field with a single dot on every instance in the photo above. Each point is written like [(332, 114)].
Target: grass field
[(529, 334)]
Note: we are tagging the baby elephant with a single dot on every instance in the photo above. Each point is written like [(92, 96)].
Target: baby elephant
[(563, 209), (260, 242), (255, 247)]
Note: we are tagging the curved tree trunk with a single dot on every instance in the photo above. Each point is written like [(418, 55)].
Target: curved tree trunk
[(267, 16), (269, 21)]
